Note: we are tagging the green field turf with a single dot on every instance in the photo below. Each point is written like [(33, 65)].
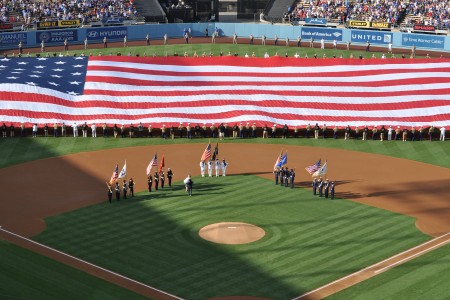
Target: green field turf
[(226, 48), (19, 150), (309, 241), (426, 277), (27, 275)]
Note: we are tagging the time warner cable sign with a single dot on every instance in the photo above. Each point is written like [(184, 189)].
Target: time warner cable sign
[(423, 41), (328, 34), (373, 37), (111, 33)]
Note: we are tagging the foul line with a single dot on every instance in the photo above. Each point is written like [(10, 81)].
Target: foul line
[(372, 266), (88, 263)]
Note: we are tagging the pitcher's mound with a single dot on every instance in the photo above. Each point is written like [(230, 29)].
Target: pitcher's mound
[(232, 233)]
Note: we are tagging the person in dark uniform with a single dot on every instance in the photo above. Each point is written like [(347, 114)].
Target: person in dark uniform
[(320, 186), (162, 178), (131, 186), (156, 180), (46, 130), (4, 130), (291, 178), (332, 190), (197, 130), (287, 175), (169, 176), (125, 189), (110, 192), (327, 188), (277, 175), (314, 186), (149, 182), (117, 188), (281, 176)]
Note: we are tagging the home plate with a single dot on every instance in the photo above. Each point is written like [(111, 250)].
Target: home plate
[(232, 233)]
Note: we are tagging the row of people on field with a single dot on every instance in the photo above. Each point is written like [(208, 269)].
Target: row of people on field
[(216, 164)]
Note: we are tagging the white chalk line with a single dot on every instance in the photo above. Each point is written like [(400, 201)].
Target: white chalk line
[(372, 266), (88, 263)]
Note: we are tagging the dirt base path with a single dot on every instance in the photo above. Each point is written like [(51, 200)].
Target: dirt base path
[(52, 186)]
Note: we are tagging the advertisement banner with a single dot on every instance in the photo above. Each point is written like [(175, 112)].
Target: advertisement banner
[(373, 37), (328, 34), (381, 25), (111, 33), (423, 41), (315, 21), (47, 24), (68, 23), (13, 38), (56, 36), (6, 26), (359, 24), (111, 20), (429, 28)]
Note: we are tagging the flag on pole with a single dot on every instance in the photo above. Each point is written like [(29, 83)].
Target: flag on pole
[(314, 167), (283, 160), (321, 171), (123, 173), (277, 161), (114, 175), (207, 153), (216, 152), (161, 166), (153, 162)]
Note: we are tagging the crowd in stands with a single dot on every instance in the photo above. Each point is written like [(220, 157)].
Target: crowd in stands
[(29, 12), (426, 12)]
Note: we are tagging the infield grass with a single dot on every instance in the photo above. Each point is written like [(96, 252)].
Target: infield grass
[(309, 241)]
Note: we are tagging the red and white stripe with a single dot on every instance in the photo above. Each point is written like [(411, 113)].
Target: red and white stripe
[(157, 91)]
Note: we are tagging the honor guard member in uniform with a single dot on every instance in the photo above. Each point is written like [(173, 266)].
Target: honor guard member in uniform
[(281, 176), (169, 176), (210, 168), (314, 186), (131, 186), (332, 190), (149, 182), (125, 189), (291, 178), (277, 175), (287, 175), (217, 166), (162, 178), (202, 168), (347, 132), (110, 192), (320, 186), (117, 188), (327, 188), (156, 178), (224, 167), (274, 131)]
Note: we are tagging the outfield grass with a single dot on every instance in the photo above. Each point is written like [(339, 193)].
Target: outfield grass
[(27, 275), (19, 150), (426, 277), (309, 241), (216, 49)]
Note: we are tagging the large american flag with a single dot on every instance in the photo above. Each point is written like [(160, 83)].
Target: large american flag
[(170, 90)]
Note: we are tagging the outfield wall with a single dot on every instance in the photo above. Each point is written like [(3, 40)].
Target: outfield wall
[(11, 40)]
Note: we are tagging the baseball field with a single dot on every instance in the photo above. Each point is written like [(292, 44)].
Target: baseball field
[(391, 197)]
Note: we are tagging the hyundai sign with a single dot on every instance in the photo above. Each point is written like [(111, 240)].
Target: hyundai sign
[(373, 37), (423, 41), (111, 33), (328, 34)]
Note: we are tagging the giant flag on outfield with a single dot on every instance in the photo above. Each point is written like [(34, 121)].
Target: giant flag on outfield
[(277, 90)]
